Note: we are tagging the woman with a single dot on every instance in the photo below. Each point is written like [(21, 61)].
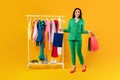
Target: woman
[(75, 29)]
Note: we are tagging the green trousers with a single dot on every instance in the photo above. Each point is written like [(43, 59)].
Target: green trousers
[(76, 45)]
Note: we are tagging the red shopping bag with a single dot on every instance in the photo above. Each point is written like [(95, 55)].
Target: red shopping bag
[(93, 43)]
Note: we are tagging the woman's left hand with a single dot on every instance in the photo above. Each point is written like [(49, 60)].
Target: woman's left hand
[(90, 32)]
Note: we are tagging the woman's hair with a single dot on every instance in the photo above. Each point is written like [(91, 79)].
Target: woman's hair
[(80, 16)]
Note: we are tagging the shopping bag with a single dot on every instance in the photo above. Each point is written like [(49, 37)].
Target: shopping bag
[(93, 43), (58, 39), (89, 44)]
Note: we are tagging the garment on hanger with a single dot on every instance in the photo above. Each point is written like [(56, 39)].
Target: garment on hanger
[(40, 39), (41, 55), (47, 32), (53, 30), (54, 52), (39, 29), (54, 48), (56, 25), (35, 31)]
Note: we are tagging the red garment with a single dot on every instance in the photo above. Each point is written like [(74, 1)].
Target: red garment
[(54, 49), (54, 52), (56, 25)]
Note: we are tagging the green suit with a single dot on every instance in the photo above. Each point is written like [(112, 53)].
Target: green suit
[(75, 30)]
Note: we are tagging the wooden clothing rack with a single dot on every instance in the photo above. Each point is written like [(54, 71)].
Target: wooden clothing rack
[(42, 16)]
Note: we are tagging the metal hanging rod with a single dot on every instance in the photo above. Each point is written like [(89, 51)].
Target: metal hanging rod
[(44, 16)]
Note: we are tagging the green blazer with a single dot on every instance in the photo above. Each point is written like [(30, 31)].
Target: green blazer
[(75, 29)]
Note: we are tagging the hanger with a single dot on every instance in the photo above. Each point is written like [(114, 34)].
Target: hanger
[(51, 19), (54, 18), (59, 19), (34, 20), (46, 18), (42, 19)]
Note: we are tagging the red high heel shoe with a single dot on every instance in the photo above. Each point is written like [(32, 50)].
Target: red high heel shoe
[(72, 71), (83, 70)]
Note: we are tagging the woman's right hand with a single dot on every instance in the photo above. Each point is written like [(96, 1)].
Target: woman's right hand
[(61, 30)]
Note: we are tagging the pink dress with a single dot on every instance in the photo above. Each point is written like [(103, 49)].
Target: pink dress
[(47, 31)]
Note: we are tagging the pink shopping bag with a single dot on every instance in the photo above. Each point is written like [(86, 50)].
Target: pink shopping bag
[(94, 43)]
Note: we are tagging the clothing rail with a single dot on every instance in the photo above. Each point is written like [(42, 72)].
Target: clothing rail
[(43, 16)]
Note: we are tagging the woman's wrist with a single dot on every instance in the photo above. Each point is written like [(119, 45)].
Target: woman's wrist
[(90, 32), (61, 29)]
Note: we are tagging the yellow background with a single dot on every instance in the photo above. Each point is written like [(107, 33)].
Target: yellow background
[(102, 17)]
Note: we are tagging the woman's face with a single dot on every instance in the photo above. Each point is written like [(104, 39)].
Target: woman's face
[(77, 13)]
